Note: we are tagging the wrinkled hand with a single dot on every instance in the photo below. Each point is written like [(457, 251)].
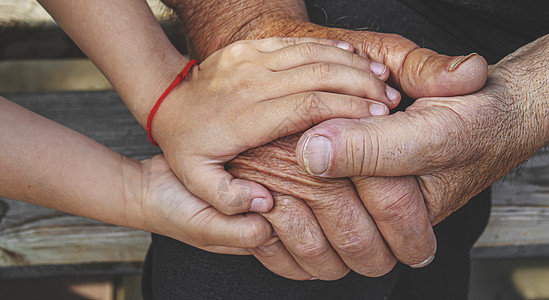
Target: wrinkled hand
[(440, 152), (168, 208), (418, 72), (322, 223)]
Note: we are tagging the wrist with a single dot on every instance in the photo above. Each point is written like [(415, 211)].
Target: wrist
[(133, 194), (160, 77)]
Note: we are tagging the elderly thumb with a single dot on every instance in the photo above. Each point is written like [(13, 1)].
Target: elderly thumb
[(376, 146)]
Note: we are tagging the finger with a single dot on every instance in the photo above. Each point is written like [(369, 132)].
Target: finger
[(278, 260), (420, 72), (426, 73), (210, 228), (298, 229), (333, 78), (277, 43), (408, 143), (298, 112), (210, 182), (399, 211), (308, 53), (352, 232)]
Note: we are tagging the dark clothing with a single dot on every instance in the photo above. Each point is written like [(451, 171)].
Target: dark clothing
[(492, 28)]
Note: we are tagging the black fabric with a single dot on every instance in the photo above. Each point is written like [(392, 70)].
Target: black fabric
[(184, 272), (178, 271)]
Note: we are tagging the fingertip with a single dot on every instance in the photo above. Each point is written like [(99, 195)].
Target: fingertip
[(424, 263), (393, 95), (345, 46), (316, 154), (261, 200), (380, 70), (377, 109), (260, 205), (469, 73), (426, 73)]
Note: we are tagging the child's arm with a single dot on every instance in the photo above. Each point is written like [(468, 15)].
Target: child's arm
[(50, 165)]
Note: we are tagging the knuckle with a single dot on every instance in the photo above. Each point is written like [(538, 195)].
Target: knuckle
[(238, 49), (310, 104), (309, 51), (355, 244), (253, 235), (322, 72), (397, 207), (312, 251), (359, 152)]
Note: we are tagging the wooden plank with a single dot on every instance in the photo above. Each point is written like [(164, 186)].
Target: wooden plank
[(519, 221), (30, 12), (50, 75), (28, 32), (36, 236)]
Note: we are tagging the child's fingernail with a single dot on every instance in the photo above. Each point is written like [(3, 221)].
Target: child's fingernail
[(316, 154), (259, 205), (377, 109), (345, 46), (392, 94), (377, 68), (313, 278)]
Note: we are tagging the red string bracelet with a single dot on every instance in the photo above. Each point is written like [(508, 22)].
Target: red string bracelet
[(180, 77)]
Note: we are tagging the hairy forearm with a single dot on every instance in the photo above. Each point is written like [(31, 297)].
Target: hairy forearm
[(211, 25), (525, 75), (125, 41), (50, 165)]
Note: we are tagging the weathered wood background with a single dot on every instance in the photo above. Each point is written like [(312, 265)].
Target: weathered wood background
[(31, 12), (36, 236)]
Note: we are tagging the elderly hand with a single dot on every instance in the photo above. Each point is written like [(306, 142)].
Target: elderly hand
[(322, 223), (440, 152)]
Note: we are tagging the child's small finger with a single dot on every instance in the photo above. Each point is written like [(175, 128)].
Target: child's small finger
[(308, 53), (229, 195), (333, 78), (277, 43), (216, 230), (295, 113)]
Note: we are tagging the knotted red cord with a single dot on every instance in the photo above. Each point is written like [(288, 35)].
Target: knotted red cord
[(180, 77)]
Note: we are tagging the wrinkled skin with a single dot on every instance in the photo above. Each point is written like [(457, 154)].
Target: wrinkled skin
[(307, 208), (472, 141)]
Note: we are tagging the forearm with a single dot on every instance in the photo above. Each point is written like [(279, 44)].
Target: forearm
[(209, 26), (523, 77), (126, 43), (50, 165)]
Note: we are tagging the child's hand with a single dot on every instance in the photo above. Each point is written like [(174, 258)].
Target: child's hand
[(253, 92), (169, 209)]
